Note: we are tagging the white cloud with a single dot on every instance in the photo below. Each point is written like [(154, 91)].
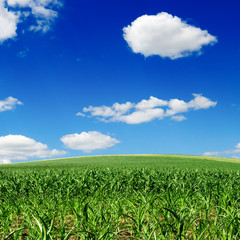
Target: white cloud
[(200, 102), (13, 12), (5, 161), (18, 147), (147, 110), (20, 3), (80, 114), (88, 141), (103, 111), (145, 115), (237, 146), (218, 153), (176, 106), (165, 35), (178, 118), (151, 103), (8, 23), (9, 103)]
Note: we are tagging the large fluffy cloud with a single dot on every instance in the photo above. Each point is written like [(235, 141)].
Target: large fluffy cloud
[(9, 103), (13, 12), (219, 153), (147, 110), (88, 141), (165, 35), (18, 147)]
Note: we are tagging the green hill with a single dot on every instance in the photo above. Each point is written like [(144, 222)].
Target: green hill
[(156, 161)]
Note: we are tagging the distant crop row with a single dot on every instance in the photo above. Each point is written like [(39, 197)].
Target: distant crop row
[(119, 204)]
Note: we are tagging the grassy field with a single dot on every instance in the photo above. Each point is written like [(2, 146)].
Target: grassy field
[(155, 161), (121, 197)]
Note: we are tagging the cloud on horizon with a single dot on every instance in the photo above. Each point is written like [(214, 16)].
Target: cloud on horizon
[(147, 110), (219, 153), (165, 35), (9, 103), (88, 141), (40, 13), (19, 147)]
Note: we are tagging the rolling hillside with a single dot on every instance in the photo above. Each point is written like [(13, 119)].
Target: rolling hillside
[(155, 161)]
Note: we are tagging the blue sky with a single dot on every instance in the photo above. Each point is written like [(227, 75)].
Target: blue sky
[(64, 64)]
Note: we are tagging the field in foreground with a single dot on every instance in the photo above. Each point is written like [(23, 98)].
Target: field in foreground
[(121, 197)]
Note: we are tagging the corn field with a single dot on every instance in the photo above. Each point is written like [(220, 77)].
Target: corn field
[(119, 204)]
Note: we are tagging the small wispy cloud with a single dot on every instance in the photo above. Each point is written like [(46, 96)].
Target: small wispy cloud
[(147, 110), (236, 106), (23, 53), (219, 153), (9, 103), (40, 14)]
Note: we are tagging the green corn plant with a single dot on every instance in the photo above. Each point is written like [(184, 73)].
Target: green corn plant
[(11, 235), (44, 230)]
